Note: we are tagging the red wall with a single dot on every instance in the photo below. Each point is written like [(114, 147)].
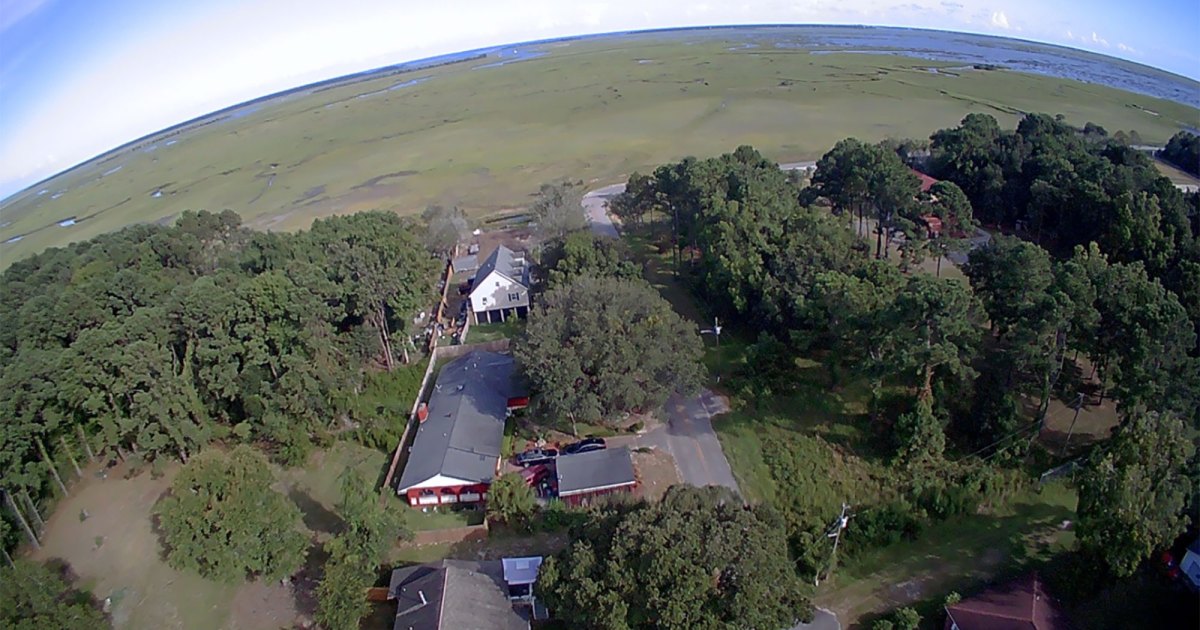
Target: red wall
[(585, 498), (479, 488)]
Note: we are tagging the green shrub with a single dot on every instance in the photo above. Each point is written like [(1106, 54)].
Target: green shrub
[(886, 525), (906, 619)]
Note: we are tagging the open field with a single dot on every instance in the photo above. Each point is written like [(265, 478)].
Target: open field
[(486, 138)]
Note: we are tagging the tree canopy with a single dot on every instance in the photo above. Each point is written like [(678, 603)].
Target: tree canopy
[(697, 559), (601, 347), (224, 520), (1133, 491), (35, 597), (1183, 150), (582, 253), (152, 341)]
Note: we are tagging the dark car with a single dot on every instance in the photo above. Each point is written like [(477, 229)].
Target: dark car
[(536, 456), (584, 446)]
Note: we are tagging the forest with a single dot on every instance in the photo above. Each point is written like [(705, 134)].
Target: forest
[(1091, 267), (152, 342)]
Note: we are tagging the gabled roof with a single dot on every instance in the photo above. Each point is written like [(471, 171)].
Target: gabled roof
[(927, 182), (594, 471), (457, 594), (1018, 605), (508, 263), (461, 437)]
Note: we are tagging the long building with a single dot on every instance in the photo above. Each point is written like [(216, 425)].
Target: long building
[(456, 451)]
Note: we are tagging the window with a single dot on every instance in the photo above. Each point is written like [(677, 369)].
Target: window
[(514, 297), (483, 300), (497, 283)]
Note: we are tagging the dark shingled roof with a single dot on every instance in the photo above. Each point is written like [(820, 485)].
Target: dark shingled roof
[(461, 437), (594, 470), (1018, 605), (507, 262), (459, 594)]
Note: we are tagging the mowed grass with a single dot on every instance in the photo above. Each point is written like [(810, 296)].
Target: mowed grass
[(486, 139)]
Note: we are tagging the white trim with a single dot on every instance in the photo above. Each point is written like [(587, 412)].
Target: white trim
[(597, 489), (440, 481)]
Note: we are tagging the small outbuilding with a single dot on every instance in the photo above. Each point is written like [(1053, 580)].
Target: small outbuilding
[(584, 476)]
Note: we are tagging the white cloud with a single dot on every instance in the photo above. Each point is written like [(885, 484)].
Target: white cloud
[(1096, 39), (1125, 48), (999, 20)]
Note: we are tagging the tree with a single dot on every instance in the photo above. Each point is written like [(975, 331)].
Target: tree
[(445, 228), (511, 500), (932, 325), (342, 593), (958, 220), (558, 209), (696, 559), (919, 435), (33, 597), (1008, 275), (583, 253), (601, 347), (638, 199), (354, 554), (1133, 491), (1183, 150), (223, 519)]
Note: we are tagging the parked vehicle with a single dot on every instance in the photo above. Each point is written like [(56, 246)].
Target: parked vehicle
[(536, 456), (584, 446)]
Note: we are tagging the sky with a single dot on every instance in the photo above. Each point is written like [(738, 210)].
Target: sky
[(80, 77)]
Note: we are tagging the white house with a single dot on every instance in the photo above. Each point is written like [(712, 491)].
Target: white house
[(501, 287)]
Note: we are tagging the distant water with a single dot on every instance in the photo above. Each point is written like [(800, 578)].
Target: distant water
[(1055, 61), (1023, 56)]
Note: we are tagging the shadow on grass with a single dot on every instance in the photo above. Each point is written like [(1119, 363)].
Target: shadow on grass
[(305, 581), (316, 517)]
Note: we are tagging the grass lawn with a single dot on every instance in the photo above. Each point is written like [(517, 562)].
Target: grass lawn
[(953, 555), (589, 110), (480, 333), (1176, 175), (419, 521)]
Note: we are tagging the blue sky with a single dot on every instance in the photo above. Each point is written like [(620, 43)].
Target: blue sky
[(79, 77)]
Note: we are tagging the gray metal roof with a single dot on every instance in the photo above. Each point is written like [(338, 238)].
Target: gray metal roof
[(594, 470), (458, 594), (465, 263), (507, 262), (461, 436)]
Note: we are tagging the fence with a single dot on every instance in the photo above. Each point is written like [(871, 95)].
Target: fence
[(439, 354)]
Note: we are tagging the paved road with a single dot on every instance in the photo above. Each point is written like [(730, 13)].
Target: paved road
[(597, 216), (822, 620)]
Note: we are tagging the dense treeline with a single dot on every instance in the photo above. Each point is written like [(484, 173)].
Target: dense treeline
[(153, 341), (1063, 187), (1183, 150), (947, 363)]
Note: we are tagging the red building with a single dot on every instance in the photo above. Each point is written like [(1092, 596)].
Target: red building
[(585, 476), (1018, 605), (456, 451)]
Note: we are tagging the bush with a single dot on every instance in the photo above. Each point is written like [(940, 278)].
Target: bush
[(558, 516), (906, 619), (886, 525)]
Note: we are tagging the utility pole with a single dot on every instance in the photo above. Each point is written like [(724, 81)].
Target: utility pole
[(1078, 406), (835, 532)]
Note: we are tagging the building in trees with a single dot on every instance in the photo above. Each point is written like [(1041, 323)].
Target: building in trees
[(501, 287), (454, 594), (597, 473), (1022, 603), (456, 452)]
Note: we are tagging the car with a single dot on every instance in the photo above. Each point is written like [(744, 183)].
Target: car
[(536, 456), (584, 446)]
